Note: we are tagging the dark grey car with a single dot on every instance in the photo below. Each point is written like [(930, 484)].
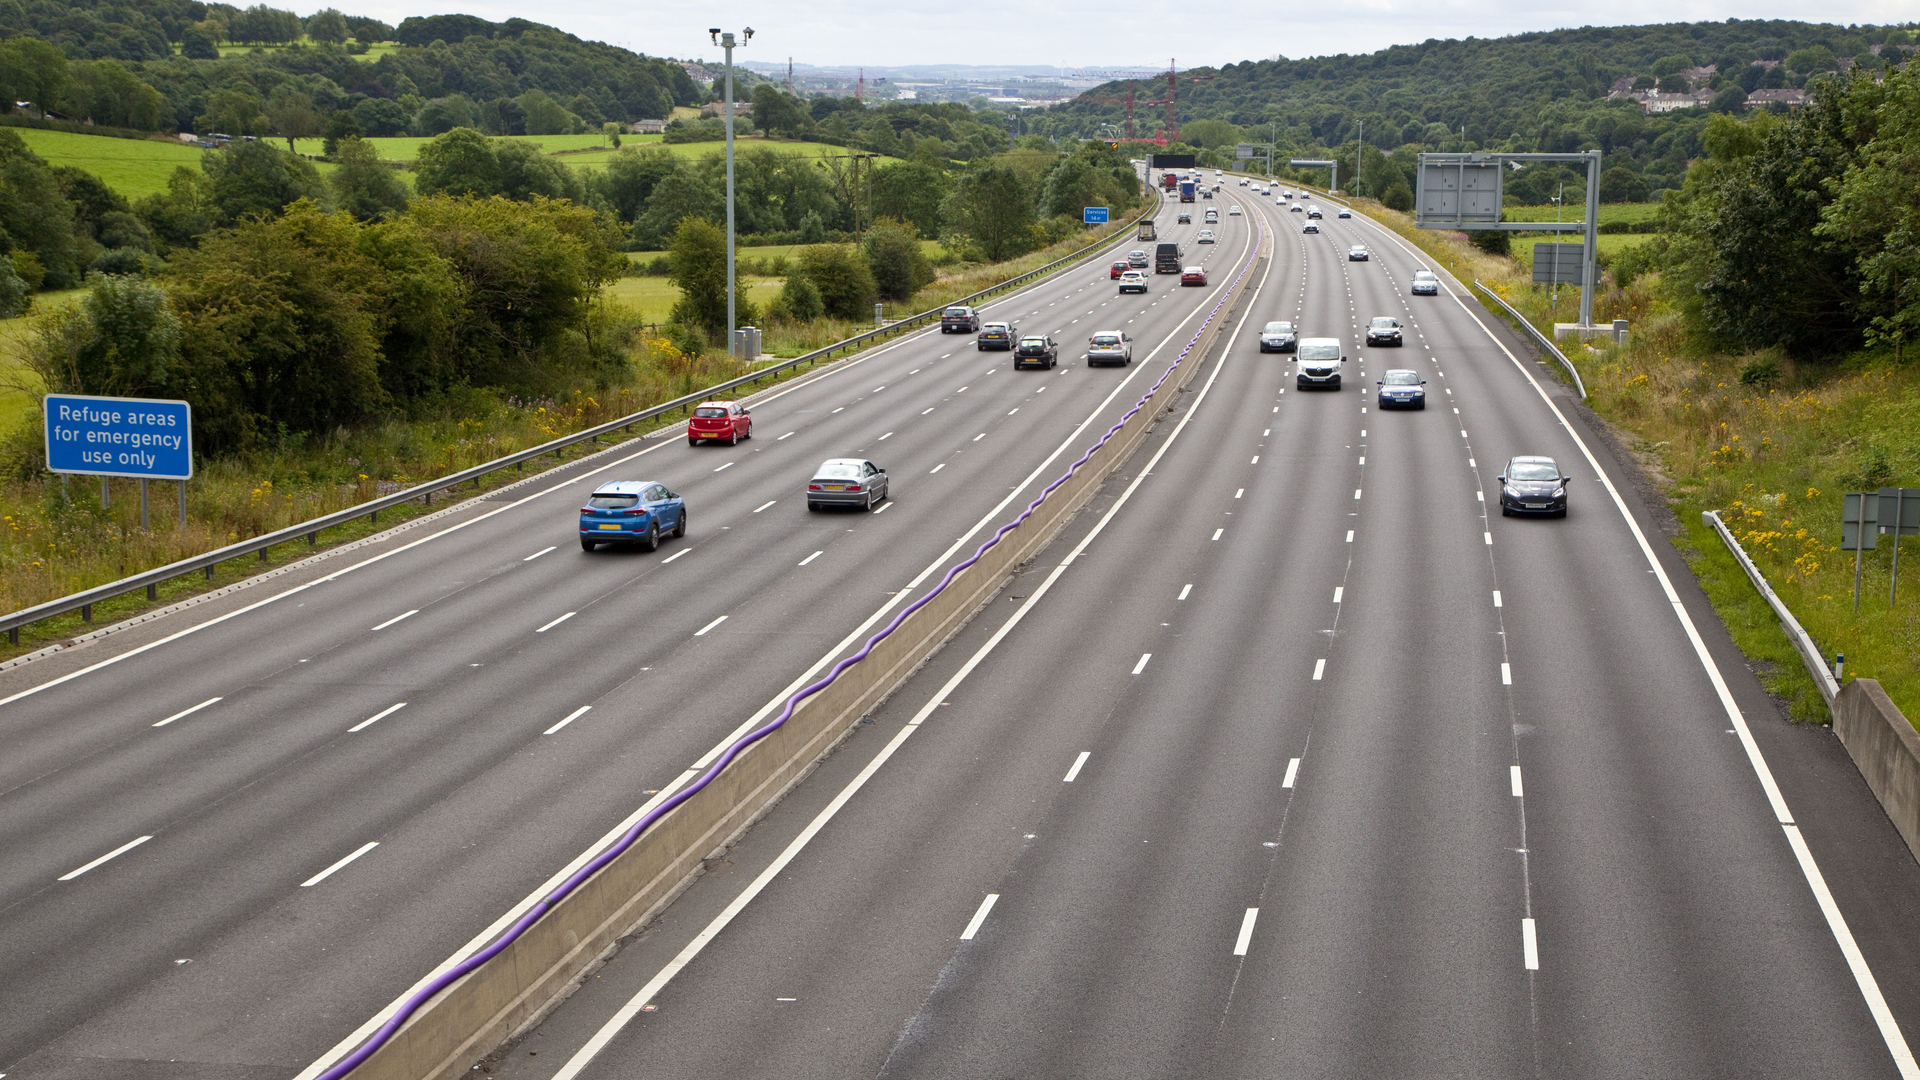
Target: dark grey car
[(847, 482), (1533, 485)]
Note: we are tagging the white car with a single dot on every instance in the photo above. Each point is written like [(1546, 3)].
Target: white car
[(1205, 237), (1426, 283), (1310, 228), (1234, 210), (1109, 347)]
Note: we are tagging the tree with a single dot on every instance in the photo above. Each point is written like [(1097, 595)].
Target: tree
[(629, 179), (698, 253), (991, 207), (545, 116), (526, 172), (364, 186), (108, 93), (461, 162), (893, 253), (234, 111), (13, 290), (340, 125), (777, 112), (33, 70), (911, 191), (1622, 185), (1210, 134), (36, 215), (1398, 197), (1877, 211), (133, 338), (292, 113), (255, 178), (178, 216), (329, 26), (842, 276), (1674, 84), (798, 299), (196, 45)]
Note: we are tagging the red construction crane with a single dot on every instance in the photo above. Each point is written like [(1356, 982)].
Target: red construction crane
[(1172, 133)]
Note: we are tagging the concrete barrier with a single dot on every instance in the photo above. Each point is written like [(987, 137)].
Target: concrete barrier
[(1885, 749), (480, 1011)]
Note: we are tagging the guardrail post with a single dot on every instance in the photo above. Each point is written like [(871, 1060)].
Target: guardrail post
[(86, 613), (13, 636), (153, 592), (263, 554), (312, 537), (209, 573)]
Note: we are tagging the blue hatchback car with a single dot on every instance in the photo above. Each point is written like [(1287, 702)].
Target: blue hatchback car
[(631, 512)]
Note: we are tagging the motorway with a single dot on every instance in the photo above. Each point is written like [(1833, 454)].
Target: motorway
[(1289, 759), (1286, 758), (235, 833)]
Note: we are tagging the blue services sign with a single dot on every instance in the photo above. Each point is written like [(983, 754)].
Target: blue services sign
[(1093, 215), (105, 436)]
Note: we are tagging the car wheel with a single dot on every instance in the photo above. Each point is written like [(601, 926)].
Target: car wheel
[(1422, 406), (587, 545), (869, 507), (733, 437), (652, 541), (749, 433), (691, 441), (813, 507), (680, 527), (1504, 512)]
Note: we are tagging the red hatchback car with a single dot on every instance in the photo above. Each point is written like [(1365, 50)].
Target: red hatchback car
[(721, 421), (1118, 268)]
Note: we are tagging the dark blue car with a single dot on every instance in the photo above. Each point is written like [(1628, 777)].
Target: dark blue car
[(631, 512)]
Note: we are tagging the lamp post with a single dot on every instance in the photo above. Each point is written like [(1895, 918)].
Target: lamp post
[(724, 39)]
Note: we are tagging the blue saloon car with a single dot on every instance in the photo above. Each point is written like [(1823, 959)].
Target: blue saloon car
[(631, 512)]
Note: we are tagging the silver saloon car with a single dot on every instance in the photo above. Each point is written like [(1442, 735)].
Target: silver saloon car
[(847, 482)]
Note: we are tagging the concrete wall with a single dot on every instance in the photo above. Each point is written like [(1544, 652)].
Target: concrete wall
[(1886, 749), (467, 1020)]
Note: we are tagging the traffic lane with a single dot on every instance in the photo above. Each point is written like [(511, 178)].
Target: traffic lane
[(1164, 479), (1710, 865)]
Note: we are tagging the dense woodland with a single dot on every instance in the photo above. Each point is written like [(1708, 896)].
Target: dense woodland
[(1536, 92)]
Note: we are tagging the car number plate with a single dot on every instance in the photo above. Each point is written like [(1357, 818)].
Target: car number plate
[(833, 487), (1535, 506), (615, 528)]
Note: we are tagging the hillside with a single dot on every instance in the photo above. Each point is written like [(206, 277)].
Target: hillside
[(1530, 92)]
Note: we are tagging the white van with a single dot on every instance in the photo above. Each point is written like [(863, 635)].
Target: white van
[(1318, 362)]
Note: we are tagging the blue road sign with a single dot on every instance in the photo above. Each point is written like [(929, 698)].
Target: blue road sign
[(1094, 215), (105, 436)]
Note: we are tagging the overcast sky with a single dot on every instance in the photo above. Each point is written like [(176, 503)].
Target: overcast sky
[(1083, 33)]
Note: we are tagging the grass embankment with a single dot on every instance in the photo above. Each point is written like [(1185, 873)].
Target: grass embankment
[(1773, 445), (56, 540)]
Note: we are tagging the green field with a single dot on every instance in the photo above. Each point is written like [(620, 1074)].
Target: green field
[(655, 296), (1632, 213), (1611, 244), (132, 167), (16, 403), (374, 51), (930, 248)]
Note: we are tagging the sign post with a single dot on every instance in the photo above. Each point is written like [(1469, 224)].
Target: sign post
[(1859, 521), (143, 438), (1899, 515)]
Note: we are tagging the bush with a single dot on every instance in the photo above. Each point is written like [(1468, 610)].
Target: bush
[(845, 281), (1398, 197), (124, 261), (799, 301), (13, 291), (1492, 241), (894, 257)]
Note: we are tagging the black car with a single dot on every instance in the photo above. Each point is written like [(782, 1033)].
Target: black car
[(1384, 330), (997, 335), (1533, 485), (1035, 350), (959, 320)]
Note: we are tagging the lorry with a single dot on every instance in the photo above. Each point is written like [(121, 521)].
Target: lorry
[(1166, 259), (1146, 230), (1317, 362), (1169, 180), (1186, 191)]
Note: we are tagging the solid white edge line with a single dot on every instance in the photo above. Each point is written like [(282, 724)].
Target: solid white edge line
[(328, 872), (1246, 932), (114, 854), (376, 717), (702, 632), (633, 1007), (1513, 774), (186, 712), (1529, 945), (1077, 764), (979, 917), (396, 619), (571, 717), (1293, 773), (556, 622), (1876, 1002)]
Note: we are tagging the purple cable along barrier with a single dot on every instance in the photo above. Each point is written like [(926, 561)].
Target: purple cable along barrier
[(450, 976)]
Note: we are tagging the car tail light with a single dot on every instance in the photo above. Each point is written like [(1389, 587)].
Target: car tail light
[(813, 487), (853, 487)]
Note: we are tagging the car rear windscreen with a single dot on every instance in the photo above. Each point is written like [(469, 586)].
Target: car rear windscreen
[(958, 312), (613, 502), (710, 413), (1106, 339), (841, 471), (1319, 352)]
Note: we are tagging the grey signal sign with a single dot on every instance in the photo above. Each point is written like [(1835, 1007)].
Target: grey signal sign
[(1560, 264), (1457, 192)]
